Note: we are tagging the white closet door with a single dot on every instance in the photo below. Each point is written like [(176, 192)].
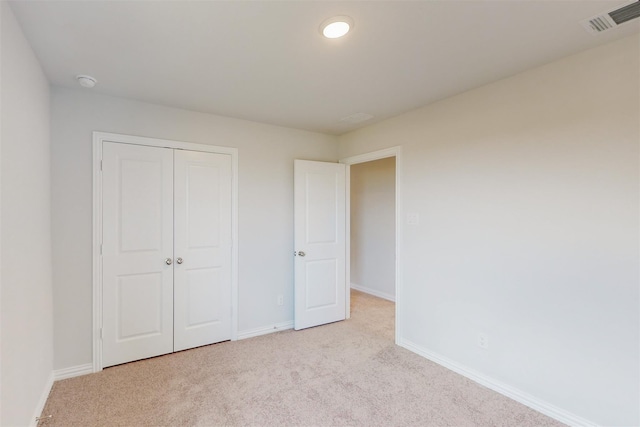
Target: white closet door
[(202, 272), (137, 247)]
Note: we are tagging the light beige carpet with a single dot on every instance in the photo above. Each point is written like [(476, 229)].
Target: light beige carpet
[(346, 373)]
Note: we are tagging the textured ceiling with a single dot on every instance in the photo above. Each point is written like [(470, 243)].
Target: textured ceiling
[(266, 60)]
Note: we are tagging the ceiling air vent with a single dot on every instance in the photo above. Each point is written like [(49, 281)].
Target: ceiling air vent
[(626, 13), (609, 20), (356, 118)]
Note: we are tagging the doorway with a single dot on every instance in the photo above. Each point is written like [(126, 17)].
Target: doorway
[(373, 228), (391, 254)]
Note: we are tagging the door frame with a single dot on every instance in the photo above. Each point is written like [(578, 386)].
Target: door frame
[(98, 139), (363, 158)]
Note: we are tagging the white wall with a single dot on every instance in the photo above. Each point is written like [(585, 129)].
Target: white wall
[(26, 312), (373, 223), (266, 155), (528, 195)]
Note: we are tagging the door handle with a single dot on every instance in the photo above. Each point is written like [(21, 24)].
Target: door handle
[(301, 253), (168, 261), (179, 260)]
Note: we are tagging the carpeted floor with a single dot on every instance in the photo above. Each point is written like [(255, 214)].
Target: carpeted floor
[(345, 373)]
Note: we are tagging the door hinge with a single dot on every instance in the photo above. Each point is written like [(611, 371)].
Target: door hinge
[(100, 165), (100, 248), (100, 333)]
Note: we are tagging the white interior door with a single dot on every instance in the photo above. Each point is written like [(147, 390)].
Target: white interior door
[(202, 269), (137, 242), (319, 216)]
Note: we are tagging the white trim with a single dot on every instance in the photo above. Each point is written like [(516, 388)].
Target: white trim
[(264, 330), (72, 371), (347, 243), (374, 292), (1, 370), (374, 155), (42, 401), (97, 258), (98, 139), (235, 298), (500, 387), (367, 157)]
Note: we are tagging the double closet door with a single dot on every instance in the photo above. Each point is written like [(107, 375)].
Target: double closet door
[(166, 251)]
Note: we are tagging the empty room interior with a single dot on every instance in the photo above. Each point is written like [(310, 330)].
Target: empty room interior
[(320, 213)]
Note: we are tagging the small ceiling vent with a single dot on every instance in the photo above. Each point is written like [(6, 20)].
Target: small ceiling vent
[(612, 19), (356, 118)]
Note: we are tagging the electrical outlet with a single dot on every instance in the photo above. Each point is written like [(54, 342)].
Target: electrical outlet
[(483, 341), (280, 300)]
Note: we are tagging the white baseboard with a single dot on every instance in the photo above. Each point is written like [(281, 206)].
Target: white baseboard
[(43, 401), (256, 332), (73, 371), (504, 389), (373, 292)]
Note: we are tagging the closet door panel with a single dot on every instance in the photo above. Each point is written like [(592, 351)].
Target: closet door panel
[(202, 274), (137, 220)]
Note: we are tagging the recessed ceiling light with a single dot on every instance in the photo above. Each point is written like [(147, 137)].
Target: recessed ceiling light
[(335, 27), (86, 81)]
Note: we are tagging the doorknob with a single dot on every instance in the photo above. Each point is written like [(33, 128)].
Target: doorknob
[(168, 261), (301, 253), (179, 260)]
